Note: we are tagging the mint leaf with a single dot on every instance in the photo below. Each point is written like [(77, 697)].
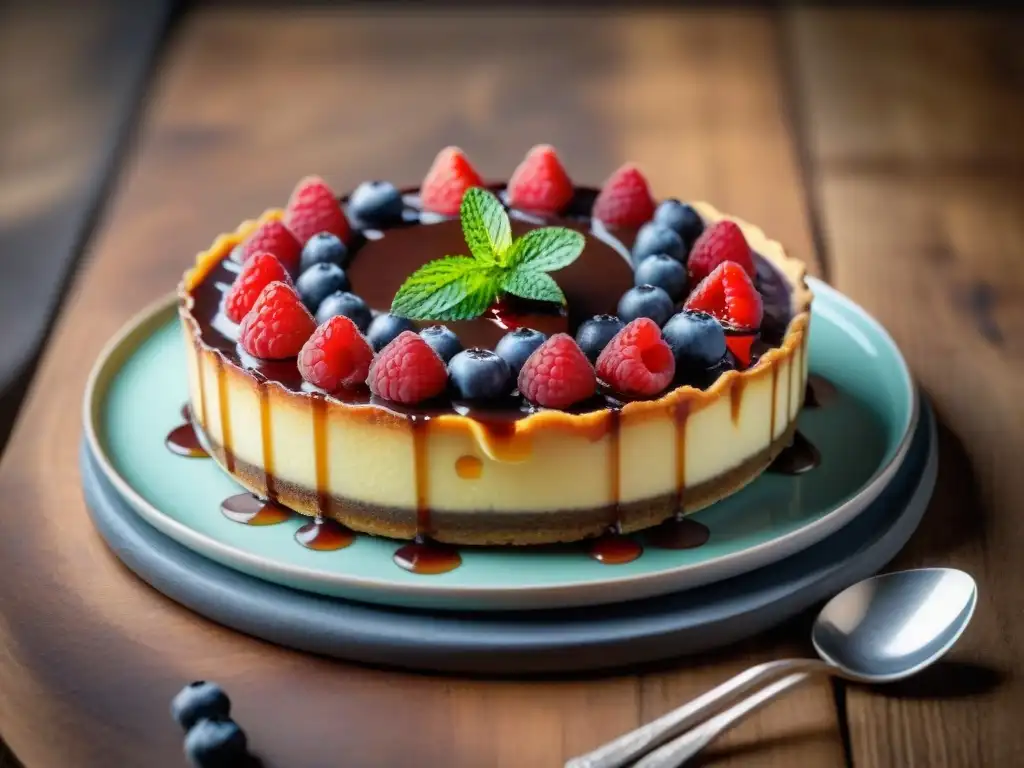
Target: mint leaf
[(483, 290), (547, 249), (485, 225), (532, 284), (437, 286)]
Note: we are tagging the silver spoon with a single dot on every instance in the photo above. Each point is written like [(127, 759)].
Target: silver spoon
[(882, 629)]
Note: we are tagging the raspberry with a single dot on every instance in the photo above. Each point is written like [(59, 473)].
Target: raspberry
[(336, 355), (625, 199), (277, 325), (407, 371), (729, 295), (722, 241), (637, 362), (540, 183), (273, 237), (313, 208), (261, 269), (557, 374), (447, 181)]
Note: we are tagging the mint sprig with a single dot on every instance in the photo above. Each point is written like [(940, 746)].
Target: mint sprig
[(463, 287)]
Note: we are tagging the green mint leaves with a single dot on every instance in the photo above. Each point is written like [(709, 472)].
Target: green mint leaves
[(463, 287)]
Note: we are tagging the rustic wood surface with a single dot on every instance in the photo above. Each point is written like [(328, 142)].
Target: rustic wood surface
[(891, 142)]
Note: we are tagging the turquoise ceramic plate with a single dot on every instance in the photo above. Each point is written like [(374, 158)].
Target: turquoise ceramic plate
[(138, 387)]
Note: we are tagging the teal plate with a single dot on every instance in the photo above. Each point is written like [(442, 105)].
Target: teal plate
[(138, 387)]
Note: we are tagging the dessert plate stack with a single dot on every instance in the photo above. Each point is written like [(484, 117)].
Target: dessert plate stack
[(775, 548)]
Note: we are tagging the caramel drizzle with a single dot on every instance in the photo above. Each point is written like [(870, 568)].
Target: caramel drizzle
[(420, 473), (736, 398), (202, 389), (682, 415), (318, 408), (225, 416), (614, 468), (775, 382), (268, 443)]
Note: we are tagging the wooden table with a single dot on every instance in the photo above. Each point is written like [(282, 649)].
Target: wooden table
[(884, 148)]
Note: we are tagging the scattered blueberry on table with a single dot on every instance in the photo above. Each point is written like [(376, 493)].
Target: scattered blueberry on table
[(212, 738)]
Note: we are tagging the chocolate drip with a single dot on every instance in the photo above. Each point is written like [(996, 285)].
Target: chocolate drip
[(798, 457), (679, 533), (615, 549), (247, 509), (682, 416), (324, 535), (820, 392), (427, 557), (615, 466), (225, 417), (183, 441)]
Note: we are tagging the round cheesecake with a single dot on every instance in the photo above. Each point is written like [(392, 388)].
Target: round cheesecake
[(505, 471)]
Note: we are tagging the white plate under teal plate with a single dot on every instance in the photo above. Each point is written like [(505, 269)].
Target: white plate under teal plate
[(139, 385)]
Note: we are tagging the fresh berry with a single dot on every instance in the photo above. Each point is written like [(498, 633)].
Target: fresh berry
[(540, 183), (277, 325), (323, 248), (742, 347), (314, 208), (657, 238), (637, 362), (680, 218), (697, 340), (447, 181), (479, 374), (516, 346), (257, 273), (645, 301), (376, 203), (722, 241), (557, 374), (347, 304), (216, 744), (443, 341), (594, 334), (407, 371), (625, 199), (729, 295), (664, 272), (384, 328), (197, 700), (273, 237), (336, 355), (320, 281)]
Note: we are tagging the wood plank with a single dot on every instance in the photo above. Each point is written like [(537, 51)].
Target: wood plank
[(248, 102), (924, 216)]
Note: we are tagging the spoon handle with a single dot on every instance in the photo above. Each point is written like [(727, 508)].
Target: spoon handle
[(685, 747), (628, 747)]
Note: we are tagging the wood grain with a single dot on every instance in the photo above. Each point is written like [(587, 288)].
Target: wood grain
[(250, 101)]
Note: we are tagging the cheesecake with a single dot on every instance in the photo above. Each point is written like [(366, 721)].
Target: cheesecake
[(520, 363)]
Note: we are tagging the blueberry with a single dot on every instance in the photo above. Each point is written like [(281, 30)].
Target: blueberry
[(385, 328), (376, 203), (347, 304), (664, 272), (646, 301), (216, 744), (198, 700), (516, 346), (479, 374), (320, 281), (443, 341), (680, 218), (324, 248), (697, 340), (657, 238), (594, 334)]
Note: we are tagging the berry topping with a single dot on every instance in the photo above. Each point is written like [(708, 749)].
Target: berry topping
[(385, 328), (447, 181), (742, 347), (314, 208), (557, 374), (657, 238), (443, 341), (680, 218), (277, 325), (665, 273), (697, 340), (625, 199), (323, 248), (197, 700), (347, 304), (336, 355), (594, 334), (407, 371), (320, 281), (479, 374), (637, 362), (273, 237), (646, 301), (376, 203), (216, 744), (729, 295), (516, 346), (722, 241), (259, 271), (540, 183)]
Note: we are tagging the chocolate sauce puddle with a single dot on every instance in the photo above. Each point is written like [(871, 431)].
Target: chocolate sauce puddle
[(427, 557), (679, 533), (798, 457), (183, 441), (820, 392), (247, 509), (324, 535), (614, 549)]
